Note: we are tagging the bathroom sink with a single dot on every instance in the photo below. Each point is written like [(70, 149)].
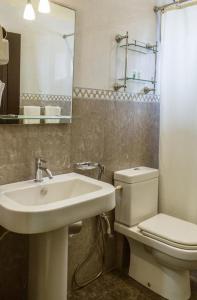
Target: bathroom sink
[(29, 207), (45, 210)]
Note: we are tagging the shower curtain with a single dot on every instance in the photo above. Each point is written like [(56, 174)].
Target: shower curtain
[(178, 130)]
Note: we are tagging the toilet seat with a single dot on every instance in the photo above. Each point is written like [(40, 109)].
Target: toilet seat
[(136, 234), (170, 230)]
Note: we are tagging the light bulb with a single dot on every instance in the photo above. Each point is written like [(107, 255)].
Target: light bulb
[(44, 6), (29, 13)]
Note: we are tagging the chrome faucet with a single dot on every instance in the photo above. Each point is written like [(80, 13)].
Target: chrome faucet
[(40, 167)]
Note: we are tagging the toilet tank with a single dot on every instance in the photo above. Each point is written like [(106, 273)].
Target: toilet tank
[(138, 198)]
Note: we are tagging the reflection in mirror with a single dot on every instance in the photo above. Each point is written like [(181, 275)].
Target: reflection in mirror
[(36, 84)]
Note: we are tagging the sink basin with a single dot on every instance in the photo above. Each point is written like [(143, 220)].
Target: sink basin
[(29, 207), (45, 210)]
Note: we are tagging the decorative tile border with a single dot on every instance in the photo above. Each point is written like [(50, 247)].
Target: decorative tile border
[(44, 97), (87, 93)]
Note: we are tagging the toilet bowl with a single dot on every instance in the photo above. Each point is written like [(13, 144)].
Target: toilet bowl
[(163, 249)]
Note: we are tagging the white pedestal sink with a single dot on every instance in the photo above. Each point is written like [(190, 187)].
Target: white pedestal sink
[(44, 210)]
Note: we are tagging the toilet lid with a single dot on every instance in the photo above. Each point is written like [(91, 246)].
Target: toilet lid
[(171, 231)]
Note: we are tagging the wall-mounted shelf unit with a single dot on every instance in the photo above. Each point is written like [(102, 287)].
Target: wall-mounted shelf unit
[(138, 47)]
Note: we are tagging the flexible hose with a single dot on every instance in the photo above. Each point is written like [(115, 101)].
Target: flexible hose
[(76, 282), (3, 235)]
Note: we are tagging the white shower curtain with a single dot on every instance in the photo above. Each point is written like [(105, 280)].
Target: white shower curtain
[(178, 132)]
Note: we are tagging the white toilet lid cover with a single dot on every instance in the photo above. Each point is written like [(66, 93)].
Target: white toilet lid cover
[(171, 230)]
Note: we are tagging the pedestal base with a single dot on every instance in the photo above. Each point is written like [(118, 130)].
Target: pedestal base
[(48, 265)]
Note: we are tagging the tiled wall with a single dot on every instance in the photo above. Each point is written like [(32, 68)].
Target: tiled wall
[(120, 134)]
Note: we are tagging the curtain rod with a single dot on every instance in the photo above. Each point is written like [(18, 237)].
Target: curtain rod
[(175, 5)]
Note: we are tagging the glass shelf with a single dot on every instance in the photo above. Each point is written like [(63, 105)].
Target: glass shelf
[(23, 117), (141, 48), (138, 80)]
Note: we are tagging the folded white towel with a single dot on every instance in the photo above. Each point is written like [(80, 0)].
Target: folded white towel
[(31, 111), (2, 87), (52, 111)]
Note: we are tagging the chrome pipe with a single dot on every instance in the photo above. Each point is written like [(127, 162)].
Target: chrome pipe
[(155, 73), (118, 39), (126, 60)]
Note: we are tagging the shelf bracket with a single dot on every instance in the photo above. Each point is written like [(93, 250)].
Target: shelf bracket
[(118, 86), (120, 37)]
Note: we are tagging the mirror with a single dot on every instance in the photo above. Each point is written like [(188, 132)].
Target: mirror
[(38, 80)]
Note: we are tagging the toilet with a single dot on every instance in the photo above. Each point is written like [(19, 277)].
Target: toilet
[(163, 249)]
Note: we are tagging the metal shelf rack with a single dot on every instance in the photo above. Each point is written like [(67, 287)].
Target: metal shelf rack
[(142, 48)]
